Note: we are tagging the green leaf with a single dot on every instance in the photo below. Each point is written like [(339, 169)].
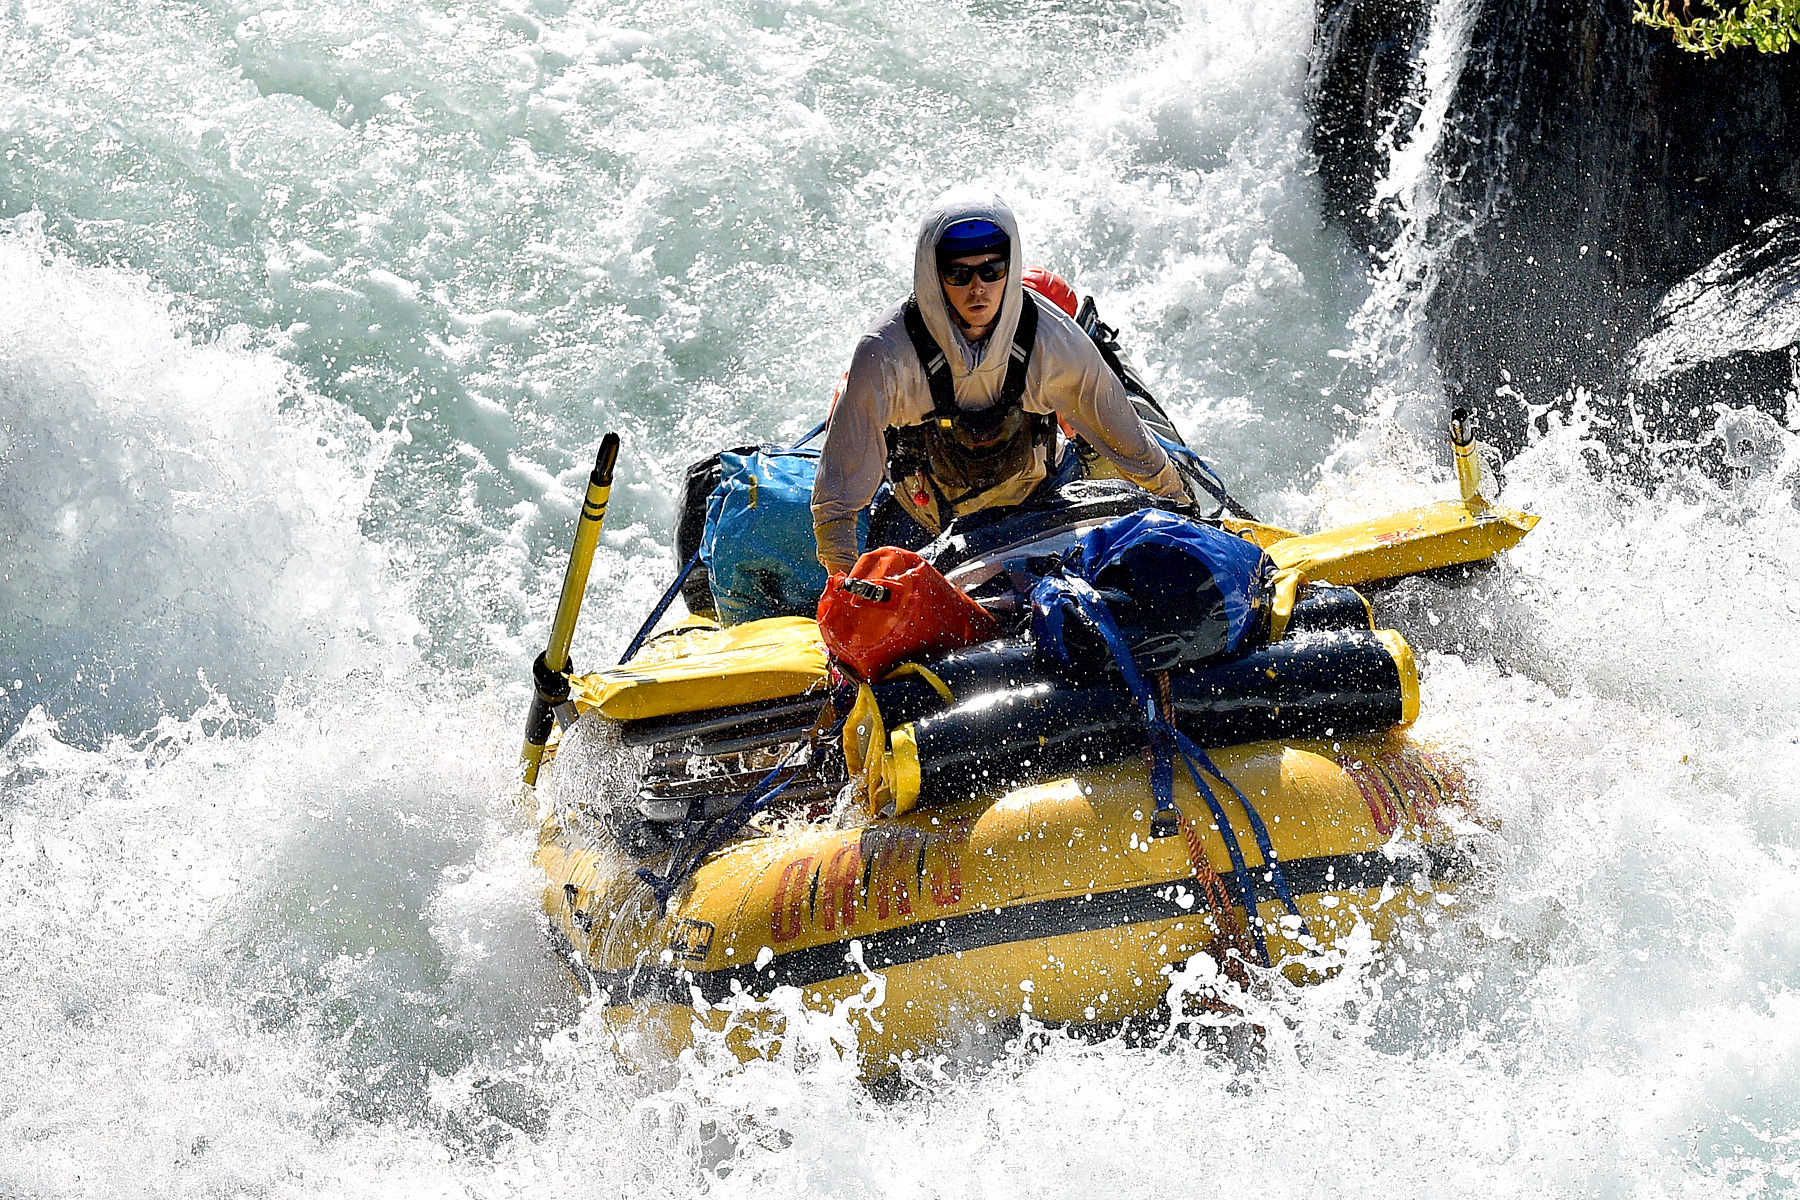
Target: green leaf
[(1771, 26)]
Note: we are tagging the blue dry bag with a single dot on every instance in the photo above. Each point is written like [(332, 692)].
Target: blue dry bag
[(758, 544), (1181, 592)]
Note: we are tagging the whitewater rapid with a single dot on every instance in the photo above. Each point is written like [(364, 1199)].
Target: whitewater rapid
[(311, 315)]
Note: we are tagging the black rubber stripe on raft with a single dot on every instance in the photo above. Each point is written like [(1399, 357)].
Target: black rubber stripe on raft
[(1015, 923)]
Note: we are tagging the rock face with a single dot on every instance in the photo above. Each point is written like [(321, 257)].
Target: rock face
[(1362, 71), (1731, 329), (1590, 166)]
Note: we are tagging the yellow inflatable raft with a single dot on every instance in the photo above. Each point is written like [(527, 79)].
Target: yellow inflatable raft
[(982, 896)]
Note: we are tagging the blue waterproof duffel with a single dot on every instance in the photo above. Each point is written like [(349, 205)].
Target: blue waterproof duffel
[(758, 544), (1180, 591)]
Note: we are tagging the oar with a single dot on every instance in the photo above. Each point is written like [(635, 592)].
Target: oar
[(550, 671)]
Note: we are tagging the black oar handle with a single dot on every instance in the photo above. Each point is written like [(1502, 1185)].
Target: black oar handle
[(604, 462)]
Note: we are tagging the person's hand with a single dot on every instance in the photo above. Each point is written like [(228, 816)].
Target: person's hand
[(832, 584)]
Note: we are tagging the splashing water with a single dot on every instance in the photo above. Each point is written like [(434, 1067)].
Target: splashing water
[(310, 317), (174, 512)]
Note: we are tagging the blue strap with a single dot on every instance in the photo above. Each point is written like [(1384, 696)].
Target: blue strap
[(1239, 871), (1162, 744), (724, 827), (1194, 754), (816, 431), (1166, 741), (662, 606)]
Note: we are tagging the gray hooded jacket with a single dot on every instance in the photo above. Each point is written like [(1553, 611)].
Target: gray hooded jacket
[(886, 388)]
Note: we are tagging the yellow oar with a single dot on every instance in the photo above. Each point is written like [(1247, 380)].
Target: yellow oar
[(550, 671)]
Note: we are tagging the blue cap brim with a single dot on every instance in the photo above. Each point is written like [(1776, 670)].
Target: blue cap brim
[(974, 236)]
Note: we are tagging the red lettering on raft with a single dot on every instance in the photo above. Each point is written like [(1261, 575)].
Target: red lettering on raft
[(838, 884), (1398, 785), (1410, 781), (894, 853), (1374, 788), (946, 875), (1448, 777), (883, 873), (790, 900)]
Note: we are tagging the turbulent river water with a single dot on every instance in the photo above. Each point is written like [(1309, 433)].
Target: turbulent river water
[(311, 314)]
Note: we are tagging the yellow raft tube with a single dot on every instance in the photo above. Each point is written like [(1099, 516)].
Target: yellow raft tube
[(1049, 900)]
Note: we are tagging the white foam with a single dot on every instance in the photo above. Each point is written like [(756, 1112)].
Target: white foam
[(1184, 195), (175, 512)]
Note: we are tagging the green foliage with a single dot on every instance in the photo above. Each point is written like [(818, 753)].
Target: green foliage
[(1772, 26)]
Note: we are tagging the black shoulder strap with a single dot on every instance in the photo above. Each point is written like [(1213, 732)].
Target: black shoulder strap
[(937, 366), (931, 357), (1024, 341)]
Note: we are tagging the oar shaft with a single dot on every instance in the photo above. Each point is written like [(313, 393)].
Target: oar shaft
[(581, 557), (549, 686)]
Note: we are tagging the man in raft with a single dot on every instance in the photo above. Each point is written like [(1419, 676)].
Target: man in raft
[(953, 395)]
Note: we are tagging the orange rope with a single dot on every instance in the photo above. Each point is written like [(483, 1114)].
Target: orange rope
[(1230, 945)]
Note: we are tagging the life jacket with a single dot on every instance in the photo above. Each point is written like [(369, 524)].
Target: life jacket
[(942, 468)]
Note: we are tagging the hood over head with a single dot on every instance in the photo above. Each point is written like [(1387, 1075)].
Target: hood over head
[(976, 388)]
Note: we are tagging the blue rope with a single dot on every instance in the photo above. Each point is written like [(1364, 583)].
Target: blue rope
[(1203, 474), (1166, 741), (752, 803), (1162, 763)]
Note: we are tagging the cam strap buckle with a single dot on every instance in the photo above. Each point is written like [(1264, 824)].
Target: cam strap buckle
[(868, 591)]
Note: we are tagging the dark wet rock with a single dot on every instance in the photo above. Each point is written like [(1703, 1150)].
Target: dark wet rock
[(1590, 167), (1362, 68), (1728, 333)]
